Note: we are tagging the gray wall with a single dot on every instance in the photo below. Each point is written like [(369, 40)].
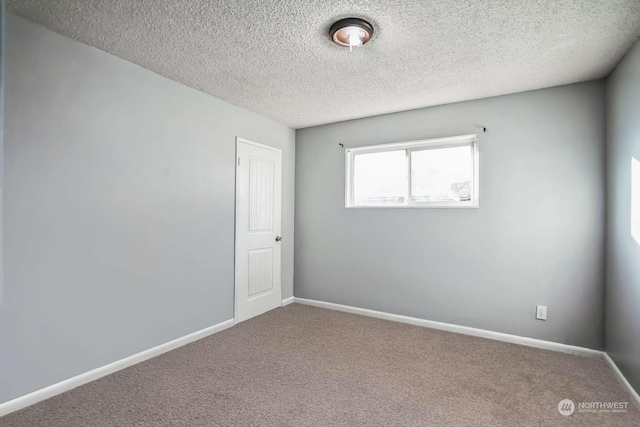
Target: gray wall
[(119, 209), (537, 237), (623, 251)]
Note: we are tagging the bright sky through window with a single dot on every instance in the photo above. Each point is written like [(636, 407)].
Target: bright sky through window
[(635, 199)]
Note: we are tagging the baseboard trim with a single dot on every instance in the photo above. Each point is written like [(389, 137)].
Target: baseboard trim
[(73, 382), (287, 301), (482, 333), (635, 397)]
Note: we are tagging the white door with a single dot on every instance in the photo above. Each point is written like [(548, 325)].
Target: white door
[(258, 228)]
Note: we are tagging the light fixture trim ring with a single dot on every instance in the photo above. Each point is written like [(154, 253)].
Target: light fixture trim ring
[(336, 33)]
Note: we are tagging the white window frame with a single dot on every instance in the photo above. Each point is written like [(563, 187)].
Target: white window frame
[(410, 146)]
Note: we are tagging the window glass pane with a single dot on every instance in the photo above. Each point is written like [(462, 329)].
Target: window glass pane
[(380, 179), (441, 174)]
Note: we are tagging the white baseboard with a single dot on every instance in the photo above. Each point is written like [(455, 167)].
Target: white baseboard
[(287, 301), (498, 336), (627, 386), (66, 385)]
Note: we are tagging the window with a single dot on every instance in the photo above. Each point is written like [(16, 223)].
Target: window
[(635, 199), (431, 173)]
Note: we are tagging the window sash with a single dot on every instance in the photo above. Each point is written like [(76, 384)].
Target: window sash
[(410, 147)]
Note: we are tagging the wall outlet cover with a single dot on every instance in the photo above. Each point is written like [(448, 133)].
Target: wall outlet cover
[(541, 312)]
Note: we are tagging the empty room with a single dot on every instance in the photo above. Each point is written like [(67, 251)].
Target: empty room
[(319, 213)]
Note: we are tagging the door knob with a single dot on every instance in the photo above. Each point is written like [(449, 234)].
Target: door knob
[(278, 238)]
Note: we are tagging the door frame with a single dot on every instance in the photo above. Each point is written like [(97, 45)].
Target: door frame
[(235, 214)]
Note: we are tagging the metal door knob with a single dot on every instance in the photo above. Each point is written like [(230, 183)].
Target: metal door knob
[(278, 238)]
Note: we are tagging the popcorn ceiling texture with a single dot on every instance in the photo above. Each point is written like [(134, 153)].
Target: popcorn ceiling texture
[(276, 58)]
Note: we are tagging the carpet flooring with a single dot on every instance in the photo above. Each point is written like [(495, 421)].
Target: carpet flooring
[(307, 366)]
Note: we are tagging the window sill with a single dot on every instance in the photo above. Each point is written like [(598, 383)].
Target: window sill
[(429, 206)]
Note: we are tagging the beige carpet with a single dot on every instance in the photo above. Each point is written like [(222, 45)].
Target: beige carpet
[(306, 366)]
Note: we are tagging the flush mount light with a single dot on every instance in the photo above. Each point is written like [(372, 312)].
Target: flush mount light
[(351, 32)]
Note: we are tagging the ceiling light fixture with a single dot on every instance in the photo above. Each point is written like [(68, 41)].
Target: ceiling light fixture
[(351, 32)]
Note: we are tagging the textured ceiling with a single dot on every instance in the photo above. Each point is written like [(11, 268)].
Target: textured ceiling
[(275, 58)]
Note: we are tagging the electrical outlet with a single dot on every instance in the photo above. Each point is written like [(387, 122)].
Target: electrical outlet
[(541, 312)]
